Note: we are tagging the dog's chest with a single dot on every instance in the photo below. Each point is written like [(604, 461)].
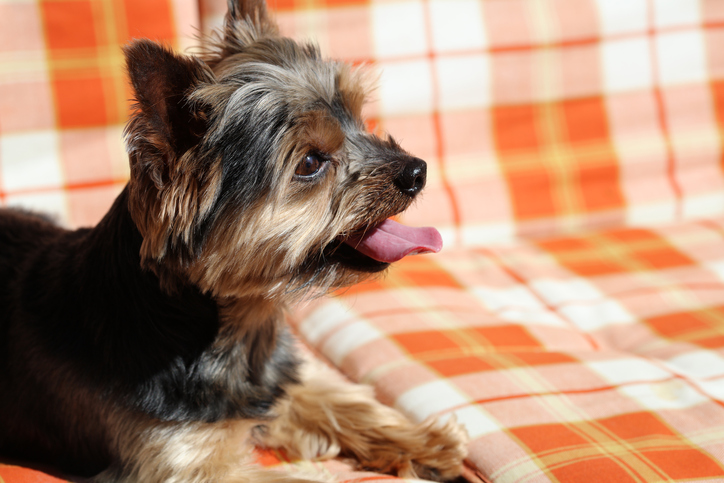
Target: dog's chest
[(216, 386)]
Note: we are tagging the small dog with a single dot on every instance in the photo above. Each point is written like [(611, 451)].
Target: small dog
[(152, 347)]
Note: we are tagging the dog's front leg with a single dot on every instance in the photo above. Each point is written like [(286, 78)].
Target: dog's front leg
[(159, 452), (326, 416)]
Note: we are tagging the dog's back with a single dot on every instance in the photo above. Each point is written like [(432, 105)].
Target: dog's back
[(22, 233)]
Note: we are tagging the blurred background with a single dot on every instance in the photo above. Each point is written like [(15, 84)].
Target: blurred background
[(536, 117)]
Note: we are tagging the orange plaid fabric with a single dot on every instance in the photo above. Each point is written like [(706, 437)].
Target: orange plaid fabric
[(540, 118), (65, 97), (596, 357), (17, 474), (536, 118)]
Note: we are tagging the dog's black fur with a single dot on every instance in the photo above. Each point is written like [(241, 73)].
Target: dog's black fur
[(78, 310)]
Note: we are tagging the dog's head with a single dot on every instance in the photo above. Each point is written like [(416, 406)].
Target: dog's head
[(251, 169)]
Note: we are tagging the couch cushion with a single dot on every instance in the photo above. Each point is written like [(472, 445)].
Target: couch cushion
[(565, 358)]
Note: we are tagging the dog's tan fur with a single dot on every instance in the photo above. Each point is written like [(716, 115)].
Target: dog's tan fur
[(326, 416), (322, 418)]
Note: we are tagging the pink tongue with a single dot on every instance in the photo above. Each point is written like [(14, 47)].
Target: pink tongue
[(391, 241)]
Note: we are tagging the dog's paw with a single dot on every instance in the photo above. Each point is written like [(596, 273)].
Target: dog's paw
[(325, 417), (446, 448), (430, 450)]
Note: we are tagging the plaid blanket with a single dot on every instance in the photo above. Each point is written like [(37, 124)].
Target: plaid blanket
[(596, 357), (575, 321)]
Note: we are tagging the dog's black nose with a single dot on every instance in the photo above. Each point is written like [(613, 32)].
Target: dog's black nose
[(412, 177)]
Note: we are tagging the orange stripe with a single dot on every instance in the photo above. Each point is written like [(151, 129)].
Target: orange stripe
[(570, 392), (591, 391), (287, 5), (65, 187)]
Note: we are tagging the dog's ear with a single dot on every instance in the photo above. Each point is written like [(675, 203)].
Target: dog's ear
[(161, 83), (253, 11), (245, 22), (168, 193)]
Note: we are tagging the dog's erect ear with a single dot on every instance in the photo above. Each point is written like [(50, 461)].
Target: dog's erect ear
[(161, 81), (168, 194), (245, 22), (250, 10)]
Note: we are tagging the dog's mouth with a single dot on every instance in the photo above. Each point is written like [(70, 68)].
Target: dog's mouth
[(385, 243)]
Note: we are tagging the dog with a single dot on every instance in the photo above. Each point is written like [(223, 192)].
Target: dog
[(152, 347)]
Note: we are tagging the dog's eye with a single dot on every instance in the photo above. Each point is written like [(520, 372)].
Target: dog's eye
[(310, 166)]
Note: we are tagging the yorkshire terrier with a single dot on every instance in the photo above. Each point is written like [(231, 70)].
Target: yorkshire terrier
[(152, 347)]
